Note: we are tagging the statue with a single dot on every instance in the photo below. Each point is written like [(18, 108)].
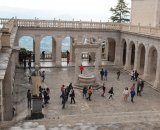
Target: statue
[(36, 80)]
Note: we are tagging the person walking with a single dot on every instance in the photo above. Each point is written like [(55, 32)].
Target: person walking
[(118, 74), (102, 73), (43, 55), (89, 58), (142, 85), (105, 74), (111, 93), (81, 68), (126, 94), (104, 90), (43, 76), (84, 91), (72, 95), (29, 97), (29, 64), (138, 88), (64, 99), (90, 91), (132, 92)]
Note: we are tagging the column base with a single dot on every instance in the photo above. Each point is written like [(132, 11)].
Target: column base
[(128, 67), (58, 63), (156, 84)]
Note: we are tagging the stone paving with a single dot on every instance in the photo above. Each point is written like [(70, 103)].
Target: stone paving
[(100, 113)]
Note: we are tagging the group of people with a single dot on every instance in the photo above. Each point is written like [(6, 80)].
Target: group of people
[(87, 92), (66, 92), (139, 85), (44, 93), (104, 74), (134, 75)]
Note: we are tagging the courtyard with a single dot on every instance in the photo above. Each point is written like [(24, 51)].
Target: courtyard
[(99, 113)]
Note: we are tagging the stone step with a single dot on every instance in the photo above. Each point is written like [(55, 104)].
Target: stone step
[(103, 118)]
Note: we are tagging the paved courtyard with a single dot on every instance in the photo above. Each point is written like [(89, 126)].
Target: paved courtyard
[(100, 113)]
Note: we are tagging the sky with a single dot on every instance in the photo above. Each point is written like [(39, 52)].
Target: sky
[(84, 10)]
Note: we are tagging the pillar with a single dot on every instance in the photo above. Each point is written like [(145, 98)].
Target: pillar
[(97, 62), (117, 53), (1, 100), (157, 79), (37, 40), (146, 66), (128, 57), (58, 52), (136, 58), (77, 64), (106, 49)]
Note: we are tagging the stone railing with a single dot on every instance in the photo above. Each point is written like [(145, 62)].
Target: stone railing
[(7, 24), (146, 30)]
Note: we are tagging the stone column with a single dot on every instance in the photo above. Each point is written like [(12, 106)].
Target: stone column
[(146, 65), (128, 58), (136, 58), (107, 49), (97, 62), (77, 64), (1, 100), (121, 47), (58, 52), (157, 79), (117, 52), (37, 49)]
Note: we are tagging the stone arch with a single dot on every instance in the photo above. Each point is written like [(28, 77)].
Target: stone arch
[(124, 48), (47, 44), (111, 49), (152, 61), (67, 44), (141, 58), (26, 42), (132, 50)]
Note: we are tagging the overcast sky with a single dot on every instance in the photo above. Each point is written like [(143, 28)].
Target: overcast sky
[(59, 9)]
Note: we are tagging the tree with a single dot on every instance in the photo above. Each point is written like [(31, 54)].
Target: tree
[(121, 12)]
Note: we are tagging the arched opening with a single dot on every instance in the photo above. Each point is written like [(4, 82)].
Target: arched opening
[(26, 42), (46, 47), (141, 58), (132, 48), (27, 50), (124, 46), (111, 50), (152, 62), (103, 46), (67, 50)]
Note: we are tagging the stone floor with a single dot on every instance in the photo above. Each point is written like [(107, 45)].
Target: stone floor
[(100, 113)]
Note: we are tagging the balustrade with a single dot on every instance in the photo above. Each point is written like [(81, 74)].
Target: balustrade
[(9, 23)]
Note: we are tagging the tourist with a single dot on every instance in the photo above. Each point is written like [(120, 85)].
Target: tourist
[(142, 85), (105, 74), (63, 99), (132, 75), (138, 88), (43, 76), (89, 58), (43, 55), (29, 64), (118, 74), (62, 90), (72, 95), (132, 92), (24, 64), (104, 90), (126, 94), (81, 68), (29, 97), (111, 93), (136, 74), (90, 91), (102, 73), (84, 91), (132, 87)]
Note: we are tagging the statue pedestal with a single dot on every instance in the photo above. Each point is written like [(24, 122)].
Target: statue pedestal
[(36, 112)]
